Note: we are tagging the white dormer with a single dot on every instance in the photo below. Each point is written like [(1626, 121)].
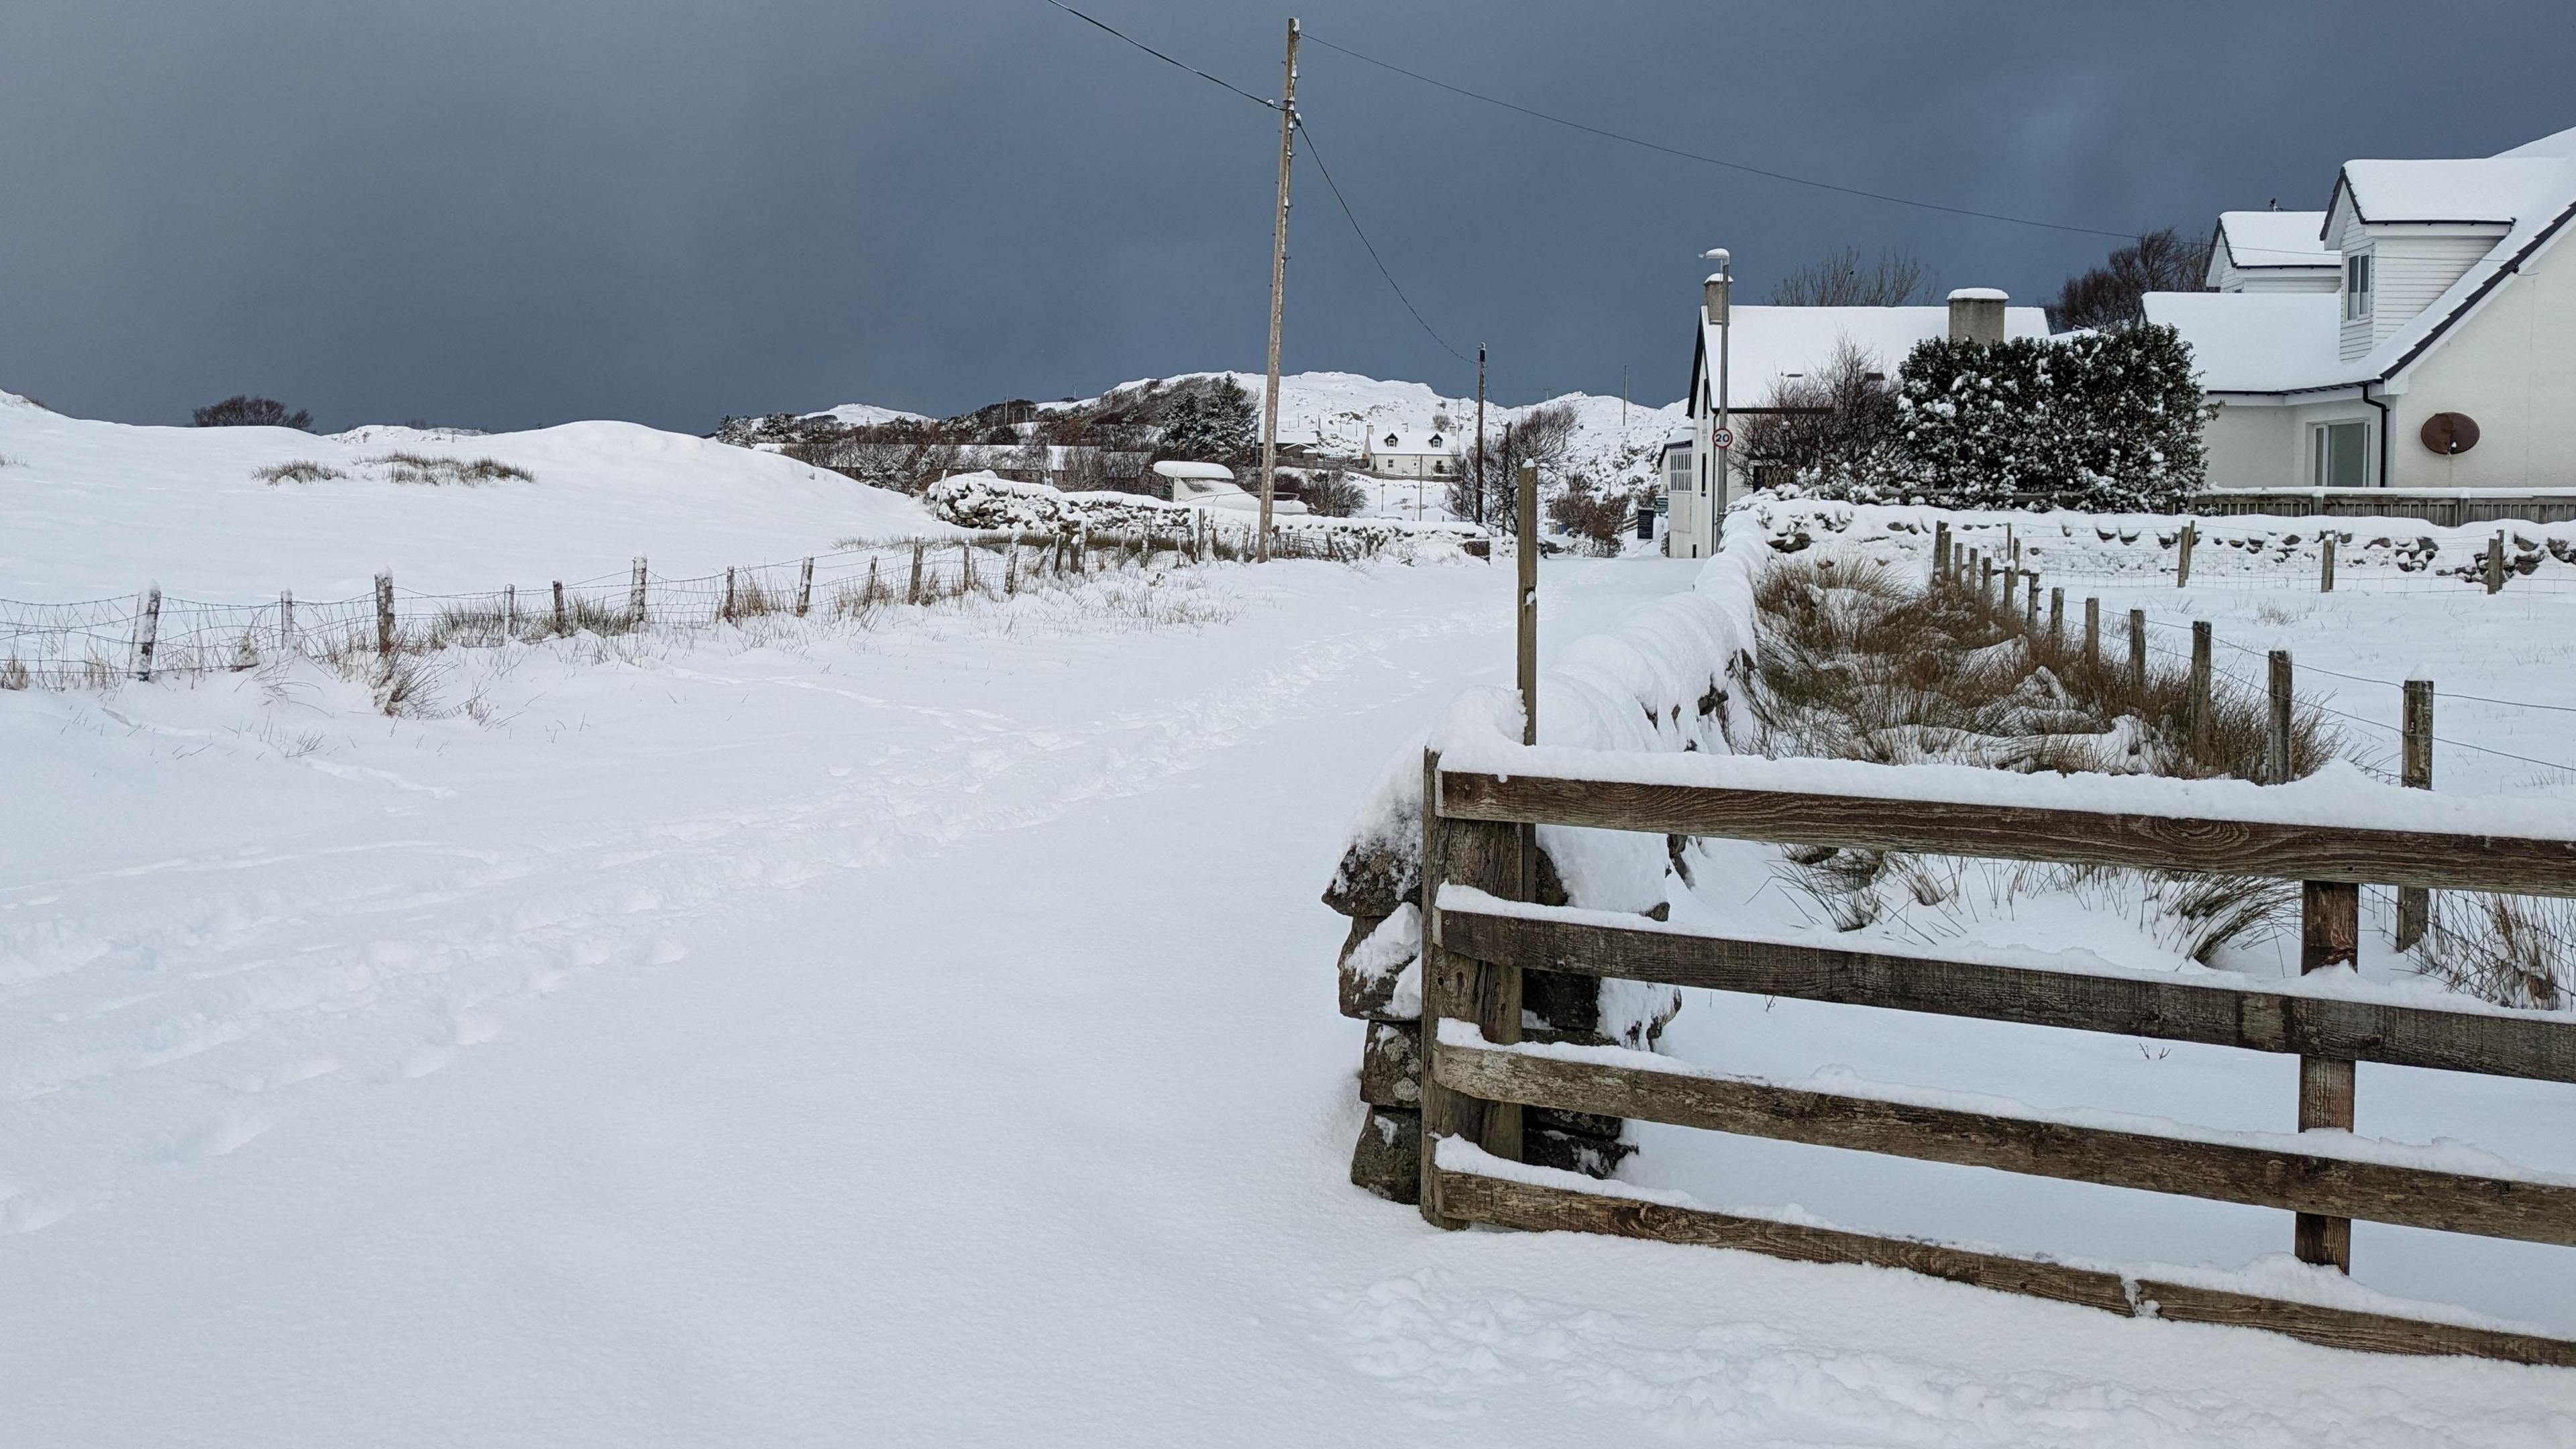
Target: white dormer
[(2406, 230), (2272, 251)]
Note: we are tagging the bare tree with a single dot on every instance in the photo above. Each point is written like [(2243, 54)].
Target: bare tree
[(1842, 279), (242, 410), (1542, 435), (1330, 491), (2113, 294), (1832, 430)]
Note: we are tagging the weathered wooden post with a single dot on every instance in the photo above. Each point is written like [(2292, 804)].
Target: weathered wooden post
[(2182, 567), (384, 613), (1940, 549), (2030, 603), (2199, 725), (2056, 618), (147, 632), (2495, 563), (1525, 556), (2138, 649), (1985, 582), (2415, 772), (2325, 567), (635, 593), (965, 569), (563, 616), (2329, 935), (510, 609), (2093, 633), (913, 594), (286, 620), (724, 610), (2276, 740), (1486, 855), (805, 588), (2012, 576)]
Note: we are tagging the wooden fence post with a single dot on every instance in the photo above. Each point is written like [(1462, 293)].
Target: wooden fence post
[(724, 610), (510, 609), (286, 619), (2276, 751), (1985, 581), (913, 594), (2329, 935), (635, 594), (2182, 568), (2325, 569), (2056, 617), (2012, 576), (1940, 549), (2030, 602), (563, 616), (1525, 561), (2137, 648), (2495, 563), (2200, 642), (2092, 633), (384, 613), (805, 588), (965, 569), (2012, 546), (147, 632), (1486, 855), (2415, 771)]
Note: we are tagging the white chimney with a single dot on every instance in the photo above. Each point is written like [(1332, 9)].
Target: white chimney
[(1977, 315), (1713, 296)]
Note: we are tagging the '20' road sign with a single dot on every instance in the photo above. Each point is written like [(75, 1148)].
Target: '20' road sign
[(1722, 439)]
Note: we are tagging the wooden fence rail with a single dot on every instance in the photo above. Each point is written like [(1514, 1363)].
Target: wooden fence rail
[(1483, 934)]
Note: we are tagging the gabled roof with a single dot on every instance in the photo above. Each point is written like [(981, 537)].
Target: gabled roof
[(1772, 345), (2529, 191), (2254, 341), (1403, 442), (2255, 240)]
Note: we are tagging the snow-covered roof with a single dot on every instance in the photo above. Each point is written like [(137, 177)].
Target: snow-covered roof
[(1174, 468), (1401, 442), (867, 415), (2530, 191), (2254, 341), (2259, 239), (1772, 345)]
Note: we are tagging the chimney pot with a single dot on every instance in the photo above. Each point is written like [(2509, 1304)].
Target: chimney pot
[(1977, 315)]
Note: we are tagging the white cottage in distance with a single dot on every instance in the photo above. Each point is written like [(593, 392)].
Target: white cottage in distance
[(1404, 453), (2419, 333)]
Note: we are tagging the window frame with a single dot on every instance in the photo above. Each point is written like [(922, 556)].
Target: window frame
[(2360, 286), (2321, 438)]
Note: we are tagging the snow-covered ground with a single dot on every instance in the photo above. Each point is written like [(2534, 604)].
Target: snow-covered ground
[(94, 509), (918, 1036)]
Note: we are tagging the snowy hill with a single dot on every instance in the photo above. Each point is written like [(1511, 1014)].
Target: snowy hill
[(867, 415), (89, 508), (1335, 412)]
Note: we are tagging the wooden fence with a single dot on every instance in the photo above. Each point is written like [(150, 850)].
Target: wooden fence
[(2445, 509), (1479, 938)]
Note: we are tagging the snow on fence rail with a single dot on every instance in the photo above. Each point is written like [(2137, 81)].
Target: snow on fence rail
[(99, 642), (1482, 932)]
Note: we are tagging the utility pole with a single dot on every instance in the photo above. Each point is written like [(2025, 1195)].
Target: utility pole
[(1278, 293), (1623, 403), (1480, 432)]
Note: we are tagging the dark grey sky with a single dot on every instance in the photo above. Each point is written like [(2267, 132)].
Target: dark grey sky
[(504, 213)]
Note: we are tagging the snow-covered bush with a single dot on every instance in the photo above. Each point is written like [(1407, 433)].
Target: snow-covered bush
[(2106, 422)]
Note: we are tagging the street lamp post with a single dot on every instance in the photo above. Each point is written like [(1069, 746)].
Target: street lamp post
[(1717, 288)]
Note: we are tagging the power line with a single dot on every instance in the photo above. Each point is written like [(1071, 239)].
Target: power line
[(1713, 160), (1317, 156), (1165, 59)]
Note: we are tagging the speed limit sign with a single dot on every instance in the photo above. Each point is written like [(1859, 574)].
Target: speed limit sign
[(1722, 439)]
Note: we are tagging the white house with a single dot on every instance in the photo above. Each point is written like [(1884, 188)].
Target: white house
[(2443, 356), (1769, 347), (1403, 453)]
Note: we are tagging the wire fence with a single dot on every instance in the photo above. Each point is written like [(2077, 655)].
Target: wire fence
[(99, 643), (2292, 555)]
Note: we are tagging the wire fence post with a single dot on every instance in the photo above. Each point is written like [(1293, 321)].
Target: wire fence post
[(2495, 563), (2030, 603), (2182, 566), (2056, 618), (2137, 648), (635, 595), (1940, 549), (510, 609), (147, 632), (384, 613), (2092, 633), (724, 609), (286, 620), (965, 569), (2200, 641), (2325, 568), (912, 595), (2415, 772), (563, 620), (805, 588), (2276, 751)]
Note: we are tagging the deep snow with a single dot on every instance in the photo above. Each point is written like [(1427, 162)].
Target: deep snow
[(920, 1036)]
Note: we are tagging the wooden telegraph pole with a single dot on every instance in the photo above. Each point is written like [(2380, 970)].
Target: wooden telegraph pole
[(1278, 294), (1480, 432)]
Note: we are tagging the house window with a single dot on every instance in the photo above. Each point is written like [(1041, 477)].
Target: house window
[(2356, 286), (2342, 453), (1677, 471)]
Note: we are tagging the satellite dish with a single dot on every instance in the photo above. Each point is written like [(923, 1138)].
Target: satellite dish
[(2450, 433)]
